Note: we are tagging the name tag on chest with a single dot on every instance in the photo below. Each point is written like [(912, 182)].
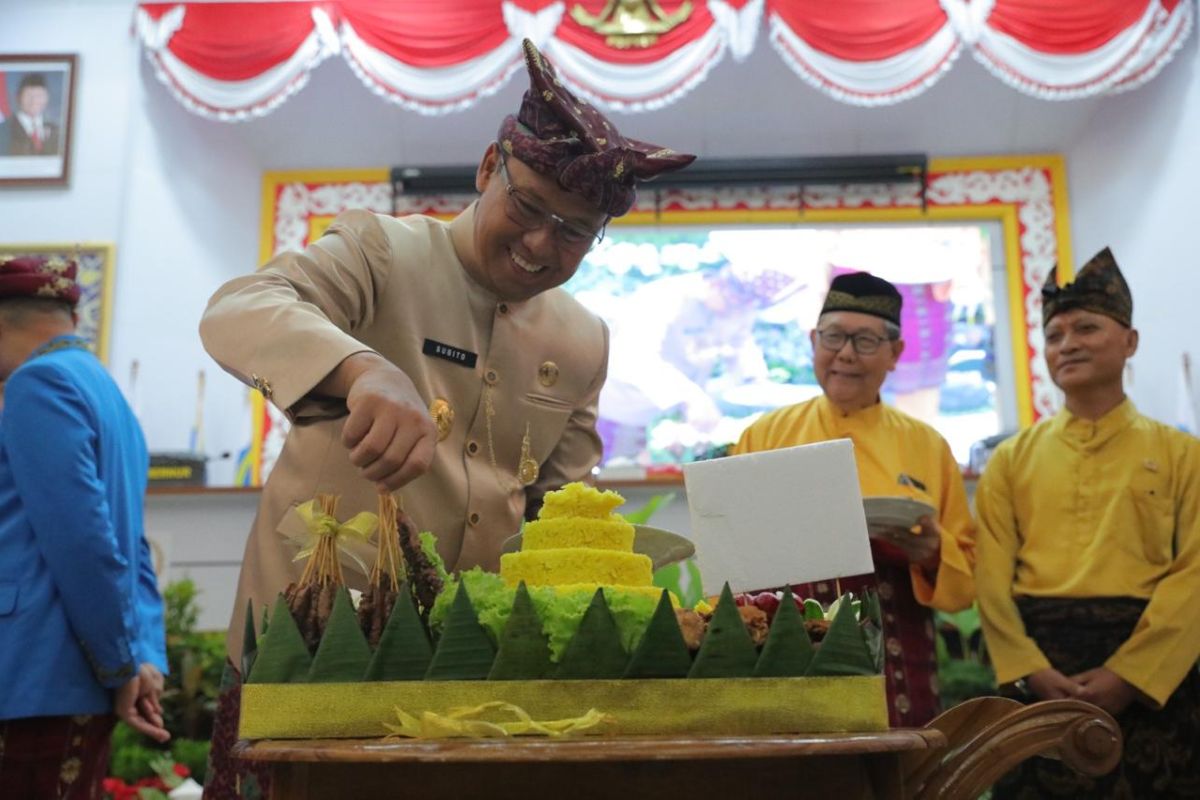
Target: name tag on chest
[(456, 355)]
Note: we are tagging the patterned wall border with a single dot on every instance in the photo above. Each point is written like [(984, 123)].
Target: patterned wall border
[(1026, 195)]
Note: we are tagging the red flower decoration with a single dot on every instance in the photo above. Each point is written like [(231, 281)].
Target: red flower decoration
[(118, 789)]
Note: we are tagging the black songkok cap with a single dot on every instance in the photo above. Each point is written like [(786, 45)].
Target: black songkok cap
[(864, 293)]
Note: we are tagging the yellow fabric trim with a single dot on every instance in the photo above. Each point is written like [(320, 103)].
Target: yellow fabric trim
[(677, 706), (458, 723)]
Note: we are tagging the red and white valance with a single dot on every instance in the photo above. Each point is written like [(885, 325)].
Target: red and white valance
[(1076, 49), (232, 61)]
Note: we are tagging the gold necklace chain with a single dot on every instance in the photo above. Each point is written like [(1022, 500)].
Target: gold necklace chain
[(527, 468), (489, 411)]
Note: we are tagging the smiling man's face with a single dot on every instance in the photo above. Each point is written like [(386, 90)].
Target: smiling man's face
[(515, 262), (1085, 349), (851, 380)]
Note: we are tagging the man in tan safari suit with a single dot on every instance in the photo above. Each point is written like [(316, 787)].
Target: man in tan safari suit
[(438, 357)]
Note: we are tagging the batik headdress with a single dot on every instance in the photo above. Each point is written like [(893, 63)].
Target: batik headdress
[(559, 135), (52, 277), (1099, 287)]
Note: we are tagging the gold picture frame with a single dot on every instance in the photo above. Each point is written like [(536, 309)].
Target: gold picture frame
[(1026, 195), (97, 264), (37, 118)]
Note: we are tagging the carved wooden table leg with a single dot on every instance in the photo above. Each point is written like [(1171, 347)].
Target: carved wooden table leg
[(989, 736)]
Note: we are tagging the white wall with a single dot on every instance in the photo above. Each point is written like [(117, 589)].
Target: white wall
[(90, 209), (1134, 182), (202, 537), (756, 108), (190, 222)]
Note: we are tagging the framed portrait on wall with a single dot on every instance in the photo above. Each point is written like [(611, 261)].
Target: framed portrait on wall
[(96, 262), (36, 118)]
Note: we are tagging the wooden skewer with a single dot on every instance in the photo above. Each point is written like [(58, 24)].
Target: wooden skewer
[(323, 566), (387, 559)]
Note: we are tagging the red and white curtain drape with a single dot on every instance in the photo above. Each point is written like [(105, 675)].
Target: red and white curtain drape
[(233, 61)]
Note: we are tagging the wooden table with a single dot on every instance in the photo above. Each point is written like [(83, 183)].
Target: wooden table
[(957, 756)]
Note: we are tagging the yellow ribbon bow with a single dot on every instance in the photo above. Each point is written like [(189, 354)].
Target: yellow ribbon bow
[(361, 526), (456, 723)]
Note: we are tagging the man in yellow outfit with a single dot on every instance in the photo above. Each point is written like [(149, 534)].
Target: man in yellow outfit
[(855, 345), (1089, 555)]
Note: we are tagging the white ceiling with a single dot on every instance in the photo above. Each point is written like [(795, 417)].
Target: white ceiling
[(755, 108)]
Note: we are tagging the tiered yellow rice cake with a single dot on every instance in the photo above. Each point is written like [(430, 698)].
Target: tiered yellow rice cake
[(579, 500), (576, 565), (563, 532), (578, 538)]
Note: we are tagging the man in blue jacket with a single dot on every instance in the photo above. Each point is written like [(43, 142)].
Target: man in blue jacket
[(81, 619)]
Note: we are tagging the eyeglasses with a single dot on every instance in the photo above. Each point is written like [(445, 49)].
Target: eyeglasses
[(531, 215), (864, 343)]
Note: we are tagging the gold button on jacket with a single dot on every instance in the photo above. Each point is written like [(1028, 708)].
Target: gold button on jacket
[(443, 417)]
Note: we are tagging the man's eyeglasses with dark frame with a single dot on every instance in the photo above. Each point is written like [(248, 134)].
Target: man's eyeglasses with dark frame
[(864, 344), (531, 215)]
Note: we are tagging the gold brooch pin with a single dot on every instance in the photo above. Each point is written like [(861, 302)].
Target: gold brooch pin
[(442, 414)]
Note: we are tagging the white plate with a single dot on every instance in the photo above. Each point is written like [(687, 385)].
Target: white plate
[(892, 512)]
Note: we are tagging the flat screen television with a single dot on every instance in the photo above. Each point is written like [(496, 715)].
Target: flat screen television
[(710, 329)]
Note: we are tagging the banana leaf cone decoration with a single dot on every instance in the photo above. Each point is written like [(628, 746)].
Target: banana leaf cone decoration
[(524, 642), (466, 650)]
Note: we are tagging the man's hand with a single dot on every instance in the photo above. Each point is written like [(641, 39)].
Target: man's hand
[(136, 703), (923, 549), (389, 433), (1105, 688), (1050, 684), (150, 689)]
